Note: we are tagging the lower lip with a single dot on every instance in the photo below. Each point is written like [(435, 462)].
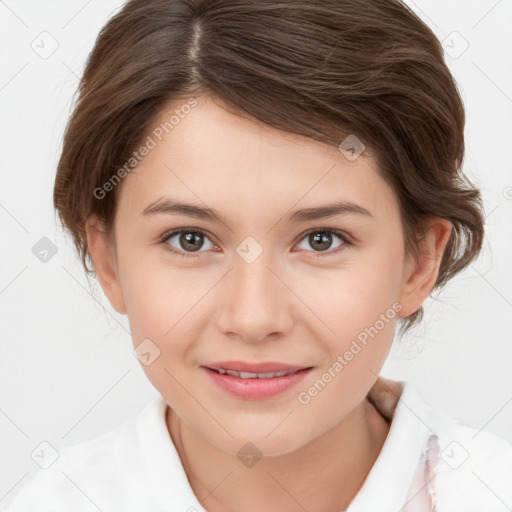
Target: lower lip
[(255, 389)]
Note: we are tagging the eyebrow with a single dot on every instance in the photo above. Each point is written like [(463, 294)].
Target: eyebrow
[(171, 206)]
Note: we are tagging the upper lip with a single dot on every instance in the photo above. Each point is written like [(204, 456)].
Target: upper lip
[(264, 367)]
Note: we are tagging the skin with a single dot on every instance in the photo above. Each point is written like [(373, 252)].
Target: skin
[(287, 305)]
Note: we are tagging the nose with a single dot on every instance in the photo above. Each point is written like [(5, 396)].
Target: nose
[(254, 302)]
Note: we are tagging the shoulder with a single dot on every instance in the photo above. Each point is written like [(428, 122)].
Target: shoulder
[(91, 473), (474, 466)]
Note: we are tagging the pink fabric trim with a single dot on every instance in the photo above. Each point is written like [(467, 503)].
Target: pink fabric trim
[(422, 495)]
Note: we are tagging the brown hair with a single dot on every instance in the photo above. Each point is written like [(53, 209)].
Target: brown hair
[(319, 68)]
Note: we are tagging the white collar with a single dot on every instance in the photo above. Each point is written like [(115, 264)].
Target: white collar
[(387, 485)]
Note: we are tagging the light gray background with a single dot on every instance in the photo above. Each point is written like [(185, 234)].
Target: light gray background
[(67, 372)]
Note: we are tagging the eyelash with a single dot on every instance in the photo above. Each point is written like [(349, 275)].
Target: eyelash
[(346, 239)]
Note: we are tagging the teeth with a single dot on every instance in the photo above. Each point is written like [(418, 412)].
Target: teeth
[(250, 375)]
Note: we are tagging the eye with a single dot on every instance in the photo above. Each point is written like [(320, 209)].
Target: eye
[(321, 240), (188, 241)]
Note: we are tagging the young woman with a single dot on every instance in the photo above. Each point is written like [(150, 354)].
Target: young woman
[(266, 189)]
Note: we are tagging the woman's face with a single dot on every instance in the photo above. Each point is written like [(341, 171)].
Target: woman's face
[(266, 283)]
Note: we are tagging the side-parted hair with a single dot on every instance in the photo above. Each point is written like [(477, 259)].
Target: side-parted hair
[(324, 69)]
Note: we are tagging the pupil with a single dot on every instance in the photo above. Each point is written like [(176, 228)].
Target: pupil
[(324, 240), (191, 241)]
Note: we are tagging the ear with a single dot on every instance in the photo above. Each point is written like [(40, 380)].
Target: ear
[(420, 276), (102, 251)]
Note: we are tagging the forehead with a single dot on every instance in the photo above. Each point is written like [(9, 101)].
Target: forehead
[(206, 153)]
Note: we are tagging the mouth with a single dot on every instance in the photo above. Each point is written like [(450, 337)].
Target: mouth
[(250, 375), (255, 381)]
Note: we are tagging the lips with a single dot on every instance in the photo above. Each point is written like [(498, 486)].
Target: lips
[(254, 381)]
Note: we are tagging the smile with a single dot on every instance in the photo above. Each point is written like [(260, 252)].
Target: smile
[(255, 385), (249, 375)]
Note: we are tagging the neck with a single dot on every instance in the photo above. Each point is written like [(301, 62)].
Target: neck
[(323, 475)]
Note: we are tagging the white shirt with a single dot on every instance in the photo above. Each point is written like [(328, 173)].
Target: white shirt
[(135, 467)]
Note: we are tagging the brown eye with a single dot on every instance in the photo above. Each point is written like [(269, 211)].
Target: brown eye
[(190, 241), (186, 241), (322, 240)]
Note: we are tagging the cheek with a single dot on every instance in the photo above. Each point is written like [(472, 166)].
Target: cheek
[(163, 308), (358, 307), (347, 300), (154, 294), (359, 312)]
